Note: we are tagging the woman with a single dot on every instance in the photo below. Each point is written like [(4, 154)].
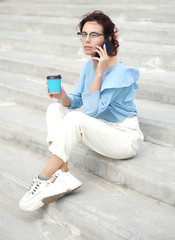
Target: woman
[(108, 124)]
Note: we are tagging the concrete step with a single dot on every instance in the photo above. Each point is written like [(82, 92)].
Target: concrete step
[(158, 56), (38, 24), (99, 210), (41, 65), (148, 55), (18, 226), (154, 85), (28, 90), (147, 173), (155, 13), (148, 32), (135, 2), (157, 85), (157, 121)]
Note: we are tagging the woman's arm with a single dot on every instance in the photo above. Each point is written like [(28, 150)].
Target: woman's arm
[(97, 102), (100, 65)]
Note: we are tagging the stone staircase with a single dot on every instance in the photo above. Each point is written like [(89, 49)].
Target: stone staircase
[(131, 199)]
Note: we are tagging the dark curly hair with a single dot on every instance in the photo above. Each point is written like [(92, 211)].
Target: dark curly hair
[(109, 28)]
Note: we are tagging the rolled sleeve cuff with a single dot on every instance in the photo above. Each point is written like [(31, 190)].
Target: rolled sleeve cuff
[(73, 102)]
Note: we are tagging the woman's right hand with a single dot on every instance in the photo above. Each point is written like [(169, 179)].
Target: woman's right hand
[(62, 96)]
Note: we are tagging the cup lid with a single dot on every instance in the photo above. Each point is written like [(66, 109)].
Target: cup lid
[(54, 76)]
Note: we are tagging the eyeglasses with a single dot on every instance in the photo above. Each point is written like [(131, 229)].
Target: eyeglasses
[(92, 35)]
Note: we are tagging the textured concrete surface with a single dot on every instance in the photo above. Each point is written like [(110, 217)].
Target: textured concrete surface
[(98, 210), (160, 13), (33, 38)]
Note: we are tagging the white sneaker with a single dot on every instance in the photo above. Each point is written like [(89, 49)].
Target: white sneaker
[(61, 183), (32, 199)]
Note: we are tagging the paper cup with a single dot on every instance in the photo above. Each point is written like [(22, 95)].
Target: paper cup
[(54, 84)]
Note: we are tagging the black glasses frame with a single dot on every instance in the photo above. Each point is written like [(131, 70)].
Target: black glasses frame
[(99, 34)]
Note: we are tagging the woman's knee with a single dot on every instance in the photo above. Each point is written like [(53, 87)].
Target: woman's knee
[(53, 107), (74, 119)]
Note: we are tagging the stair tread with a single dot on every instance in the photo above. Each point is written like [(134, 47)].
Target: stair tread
[(99, 202), (17, 225), (15, 114), (72, 21)]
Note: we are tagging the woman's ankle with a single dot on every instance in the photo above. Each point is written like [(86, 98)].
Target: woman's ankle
[(64, 168)]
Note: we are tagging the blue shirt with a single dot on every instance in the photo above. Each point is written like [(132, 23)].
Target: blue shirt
[(114, 101)]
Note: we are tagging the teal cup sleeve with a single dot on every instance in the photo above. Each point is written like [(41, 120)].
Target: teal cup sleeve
[(54, 84)]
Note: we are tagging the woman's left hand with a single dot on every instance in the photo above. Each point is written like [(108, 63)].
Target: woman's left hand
[(102, 60)]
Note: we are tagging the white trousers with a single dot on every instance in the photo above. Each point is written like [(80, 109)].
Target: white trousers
[(67, 127)]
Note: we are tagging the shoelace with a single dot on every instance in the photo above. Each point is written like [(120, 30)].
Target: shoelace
[(54, 178), (34, 186)]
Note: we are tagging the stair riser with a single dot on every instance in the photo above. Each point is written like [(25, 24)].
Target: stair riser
[(51, 48), (38, 27), (161, 135), (147, 59), (38, 71), (37, 102), (164, 36), (152, 13), (150, 2), (156, 95)]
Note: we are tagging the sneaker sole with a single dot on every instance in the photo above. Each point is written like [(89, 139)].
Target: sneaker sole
[(71, 190), (32, 207), (54, 198)]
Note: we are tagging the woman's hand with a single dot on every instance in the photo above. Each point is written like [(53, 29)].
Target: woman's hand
[(102, 60), (62, 96)]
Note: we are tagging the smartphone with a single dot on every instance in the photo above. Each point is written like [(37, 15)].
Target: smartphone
[(109, 47)]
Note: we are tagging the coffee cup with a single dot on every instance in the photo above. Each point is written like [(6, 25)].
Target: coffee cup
[(54, 84)]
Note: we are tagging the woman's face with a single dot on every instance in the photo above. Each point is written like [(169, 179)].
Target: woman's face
[(89, 43)]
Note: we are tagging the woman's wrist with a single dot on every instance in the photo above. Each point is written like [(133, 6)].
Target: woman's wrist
[(96, 83), (99, 76), (66, 101)]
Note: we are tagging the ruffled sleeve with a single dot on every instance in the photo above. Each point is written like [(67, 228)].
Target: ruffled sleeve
[(117, 88), (120, 77)]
